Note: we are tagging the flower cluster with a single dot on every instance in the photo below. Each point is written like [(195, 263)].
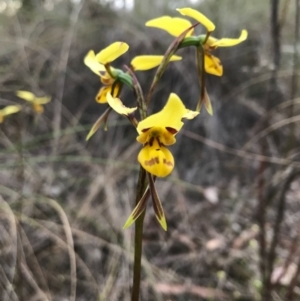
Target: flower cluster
[(36, 103), (157, 132)]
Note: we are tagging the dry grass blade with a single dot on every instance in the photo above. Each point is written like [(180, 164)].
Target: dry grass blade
[(9, 275), (70, 243)]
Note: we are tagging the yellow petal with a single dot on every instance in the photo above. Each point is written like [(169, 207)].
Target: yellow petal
[(226, 42), (106, 79), (170, 116), (213, 65), (156, 159), (1, 117), (187, 11), (117, 105), (146, 62), (10, 110), (42, 100), (112, 52), (189, 114), (101, 96), (165, 135), (91, 61), (38, 108), (174, 26), (25, 95)]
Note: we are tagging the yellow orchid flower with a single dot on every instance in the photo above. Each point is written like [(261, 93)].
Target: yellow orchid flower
[(175, 26), (36, 102), (91, 60), (97, 62), (213, 64), (158, 131), (8, 110), (155, 133)]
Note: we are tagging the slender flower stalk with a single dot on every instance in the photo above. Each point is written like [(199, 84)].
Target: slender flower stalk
[(138, 238)]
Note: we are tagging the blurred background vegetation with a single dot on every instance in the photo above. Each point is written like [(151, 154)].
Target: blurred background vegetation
[(232, 202)]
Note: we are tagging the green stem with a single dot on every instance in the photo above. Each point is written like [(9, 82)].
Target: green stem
[(138, 239)]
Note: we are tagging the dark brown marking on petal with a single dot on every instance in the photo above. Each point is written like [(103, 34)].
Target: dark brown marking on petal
[(145, 130), (152, 161), (168, 163), (151, 141), (171, 130)]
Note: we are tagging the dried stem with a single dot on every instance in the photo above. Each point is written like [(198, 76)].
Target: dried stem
[(168, 54), (292, 138), (139, 94), (276, 230)]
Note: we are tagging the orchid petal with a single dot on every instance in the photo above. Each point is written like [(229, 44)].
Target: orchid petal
[(42, 100), (187, 11), (156, 159), (106, 79), (170, 116), (146, 62), (226, 42), (91, 61), (117, 105), (166, 135), (113, 89), (174, 26), (25, 95), (38, 108), (190, 114), (10, 110), (213, 65), (112, 52)]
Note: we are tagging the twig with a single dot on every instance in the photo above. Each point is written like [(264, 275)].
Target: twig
[(276, 229), (294, 76)]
